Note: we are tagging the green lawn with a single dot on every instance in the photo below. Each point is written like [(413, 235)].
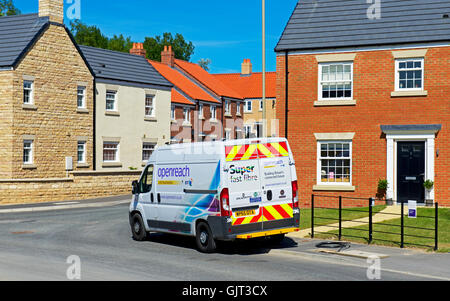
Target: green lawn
[(331, 216), (425, 241)]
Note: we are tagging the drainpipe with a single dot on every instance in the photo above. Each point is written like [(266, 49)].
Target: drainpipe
[(286, 93)]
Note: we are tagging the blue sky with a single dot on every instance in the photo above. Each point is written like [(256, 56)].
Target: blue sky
[(226, 32)]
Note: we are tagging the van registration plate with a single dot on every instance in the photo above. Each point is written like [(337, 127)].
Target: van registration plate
[(245, 213)]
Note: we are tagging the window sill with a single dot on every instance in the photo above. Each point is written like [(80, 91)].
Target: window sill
[(214, 121), (151, 119), (29, 166), (111, 164), (408, 93), (228, 115), (188, 125), (334, 188), (83, 165), (29, 107), (334, 103), (82, 111), (112, 113)]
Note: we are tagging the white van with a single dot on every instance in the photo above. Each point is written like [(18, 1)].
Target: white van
[(227, 190)]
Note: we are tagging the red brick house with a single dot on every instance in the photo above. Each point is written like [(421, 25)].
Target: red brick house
[(203, 108), (366, 98)]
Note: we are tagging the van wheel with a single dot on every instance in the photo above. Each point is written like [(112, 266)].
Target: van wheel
[(204, 238), (138, 228)]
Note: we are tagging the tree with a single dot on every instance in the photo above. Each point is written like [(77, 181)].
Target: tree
[(154, 46), (7, 8), (119, 43), (204, 63), (88, 35)]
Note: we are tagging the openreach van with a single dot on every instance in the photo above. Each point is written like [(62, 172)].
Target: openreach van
[(227, 190)]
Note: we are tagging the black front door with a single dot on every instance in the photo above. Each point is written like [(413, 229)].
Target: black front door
[(410, 171)]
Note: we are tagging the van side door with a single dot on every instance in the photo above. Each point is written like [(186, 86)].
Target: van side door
[(146, 196)]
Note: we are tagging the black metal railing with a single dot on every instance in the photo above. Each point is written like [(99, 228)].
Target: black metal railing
[(369, 231)]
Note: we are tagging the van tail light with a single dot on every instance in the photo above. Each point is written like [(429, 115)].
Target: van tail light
[(295, 194), (225, 209)]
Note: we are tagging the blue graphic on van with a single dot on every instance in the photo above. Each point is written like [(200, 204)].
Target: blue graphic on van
[(202, 206)]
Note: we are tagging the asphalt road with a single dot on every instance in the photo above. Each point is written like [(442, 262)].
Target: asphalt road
[(36, 246)]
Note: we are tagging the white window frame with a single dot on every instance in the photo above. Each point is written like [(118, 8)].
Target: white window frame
[(83, 97), (31, 92), (150, 107), (172, 113), (248, 130), (31, 152), (320, 158), (238, 108), (213, 110), (397, 73), (227, 134), (117, 151), (111, 92), (152, 148), (322, 82), (227, 107), (247, 110), (261, 105), (187, 115), (200, 111), (81, 143)]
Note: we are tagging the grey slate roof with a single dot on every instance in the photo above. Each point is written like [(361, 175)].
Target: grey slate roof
[(120, 66), (317, 24), (16, 34)]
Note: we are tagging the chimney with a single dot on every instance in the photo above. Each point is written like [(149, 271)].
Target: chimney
[(138, 49), (246, 67), (54, 9), (168, 56)]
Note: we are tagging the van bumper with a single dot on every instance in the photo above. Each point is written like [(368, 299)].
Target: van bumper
[(222, 228)]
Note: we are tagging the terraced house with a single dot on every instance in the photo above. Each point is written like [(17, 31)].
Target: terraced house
[(43, 80), (364, 97), (249, 85), (132, 109), (203, 108)]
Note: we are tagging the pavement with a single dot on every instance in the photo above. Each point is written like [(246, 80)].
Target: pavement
[(64, 205), (391, 212)]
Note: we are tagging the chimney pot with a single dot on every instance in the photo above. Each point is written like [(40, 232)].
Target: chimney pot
[(246, 67), (168, 56), (138, 49)]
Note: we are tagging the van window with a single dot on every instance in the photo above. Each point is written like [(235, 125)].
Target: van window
[(147, 178)]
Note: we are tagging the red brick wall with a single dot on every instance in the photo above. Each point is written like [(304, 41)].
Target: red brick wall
[(374, 80)]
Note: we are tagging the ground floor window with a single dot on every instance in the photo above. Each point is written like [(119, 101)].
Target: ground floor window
[(81, 152), (147, 151), (335, 162), (28, 152), (110, 151)]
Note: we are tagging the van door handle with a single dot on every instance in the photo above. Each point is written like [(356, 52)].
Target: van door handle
[(152, 198), (159, 198)]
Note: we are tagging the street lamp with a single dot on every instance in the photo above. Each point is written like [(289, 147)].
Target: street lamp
[(264, 113)]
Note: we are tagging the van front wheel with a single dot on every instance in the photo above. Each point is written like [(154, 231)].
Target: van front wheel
[(138, 228), (204, 238)]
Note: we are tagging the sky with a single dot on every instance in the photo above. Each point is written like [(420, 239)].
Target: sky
[(226, 32)]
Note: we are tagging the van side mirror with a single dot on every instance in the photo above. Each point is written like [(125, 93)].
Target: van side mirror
[(135, 186)]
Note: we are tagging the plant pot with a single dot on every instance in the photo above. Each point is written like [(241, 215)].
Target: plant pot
[(429, 203), (389, 202)]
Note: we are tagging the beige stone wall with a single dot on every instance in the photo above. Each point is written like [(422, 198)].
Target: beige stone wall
[(6, 121), (57, 69), (79, 186)]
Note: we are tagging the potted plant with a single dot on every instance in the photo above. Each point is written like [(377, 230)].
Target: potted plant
[(383, 185), (428, 185)]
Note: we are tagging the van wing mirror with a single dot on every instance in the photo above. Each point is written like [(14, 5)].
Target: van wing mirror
[(135, 187)]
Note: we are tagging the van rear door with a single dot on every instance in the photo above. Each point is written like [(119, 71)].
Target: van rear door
[(276, 182), (244, 184)]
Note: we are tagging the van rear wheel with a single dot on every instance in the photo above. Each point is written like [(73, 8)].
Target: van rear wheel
[(204, 238), (138, 228)]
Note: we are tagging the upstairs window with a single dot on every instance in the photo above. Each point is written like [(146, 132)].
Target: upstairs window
[(81, 152), (81, 97), (111, 101), (409, 74), (187, 116), (336, 81), (227, 107), (213, 112), (149, 106), (27, 152), (28, 92), (248, 106)]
